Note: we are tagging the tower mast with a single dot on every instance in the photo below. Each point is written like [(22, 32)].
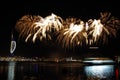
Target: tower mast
[(12, 43)]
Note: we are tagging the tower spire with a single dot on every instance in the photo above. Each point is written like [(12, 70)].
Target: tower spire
[(12, 43)]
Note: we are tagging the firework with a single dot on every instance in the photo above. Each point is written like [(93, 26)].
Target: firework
[(111, 23), (102, 29), (93, 32), (46, 26), (36, 27), (25, 25), (96, 32), (68, 33), (73, 35)]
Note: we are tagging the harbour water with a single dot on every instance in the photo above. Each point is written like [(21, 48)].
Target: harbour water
[(29, 70)]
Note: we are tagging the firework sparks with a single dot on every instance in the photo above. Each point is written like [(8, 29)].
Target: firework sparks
[(96, 30), (111, 23), (41, 29), (72, 36), (25, 25), (47, 25), (70, 32), (92, 32), (101, 30)]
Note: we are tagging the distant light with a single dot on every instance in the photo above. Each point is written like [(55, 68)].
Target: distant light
[(99, 61), (95, 47)]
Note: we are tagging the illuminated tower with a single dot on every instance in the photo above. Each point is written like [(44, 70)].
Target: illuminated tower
[(12, 44)]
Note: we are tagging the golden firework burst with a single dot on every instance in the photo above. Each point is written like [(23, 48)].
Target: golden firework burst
[(68, 33)]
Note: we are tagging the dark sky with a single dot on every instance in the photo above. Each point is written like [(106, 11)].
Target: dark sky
[(83, 9)]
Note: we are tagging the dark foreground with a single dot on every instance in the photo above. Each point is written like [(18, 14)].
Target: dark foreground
[(57, 71)]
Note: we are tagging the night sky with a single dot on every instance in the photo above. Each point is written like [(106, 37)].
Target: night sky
[(83, 9)]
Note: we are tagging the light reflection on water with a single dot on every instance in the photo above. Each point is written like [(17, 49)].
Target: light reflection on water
[(100, 72), (55, 71), (11, 70)]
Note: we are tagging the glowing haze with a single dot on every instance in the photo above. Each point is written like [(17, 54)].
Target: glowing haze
[(70, 32)]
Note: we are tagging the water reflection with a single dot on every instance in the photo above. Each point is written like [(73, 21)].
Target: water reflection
[(100, 72), (55, 71), (11, 70)]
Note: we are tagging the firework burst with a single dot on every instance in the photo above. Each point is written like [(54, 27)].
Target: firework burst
[(73, 35), (93, 32), (25, 25), (102, 29), (111, 23), (41, 28), (68, 33), (96, 31)]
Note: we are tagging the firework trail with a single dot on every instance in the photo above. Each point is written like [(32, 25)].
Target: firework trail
[(92, 32), (96, 31), (111, 23), (101, 30), (33, 27), (25, 25), (71, 32)]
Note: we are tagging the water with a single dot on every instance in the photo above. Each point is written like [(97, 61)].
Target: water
[(56, 71)]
